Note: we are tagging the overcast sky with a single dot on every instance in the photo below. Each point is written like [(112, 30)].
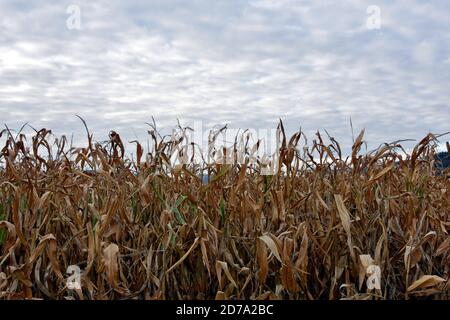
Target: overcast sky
[(314, 64)]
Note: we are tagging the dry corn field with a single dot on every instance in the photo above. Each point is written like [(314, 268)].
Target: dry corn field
[(373, 225)]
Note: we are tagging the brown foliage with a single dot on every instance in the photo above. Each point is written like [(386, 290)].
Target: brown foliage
[(150, 229)]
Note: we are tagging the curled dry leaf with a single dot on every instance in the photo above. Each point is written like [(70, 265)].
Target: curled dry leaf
[(412, 256), (221, 265), (263, 261), (381, 173), (271, 245), (443, 247), (110, 259), (194, 245), (344, 215), (302, 259), (49, 242), (426, 281)]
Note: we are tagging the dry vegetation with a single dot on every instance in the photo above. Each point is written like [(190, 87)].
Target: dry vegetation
[(148, 229)]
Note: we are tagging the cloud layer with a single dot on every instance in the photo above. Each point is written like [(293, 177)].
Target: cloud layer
[(247, 63)]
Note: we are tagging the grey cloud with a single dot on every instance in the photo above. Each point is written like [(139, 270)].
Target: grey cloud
[(247, 63)]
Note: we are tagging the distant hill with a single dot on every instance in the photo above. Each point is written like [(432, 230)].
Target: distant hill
[(442, 160)]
